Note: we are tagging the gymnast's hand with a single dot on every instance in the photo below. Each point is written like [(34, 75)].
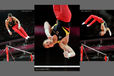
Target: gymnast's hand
[(50, 37), (10, 33), (66, 54), (19, 26), (54, 38)]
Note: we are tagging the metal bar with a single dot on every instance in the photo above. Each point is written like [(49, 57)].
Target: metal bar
[(94, 49), (19, 49), (111, 38), (17, 40)]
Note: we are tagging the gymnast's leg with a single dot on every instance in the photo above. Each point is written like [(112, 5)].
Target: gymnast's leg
[(88, 19)]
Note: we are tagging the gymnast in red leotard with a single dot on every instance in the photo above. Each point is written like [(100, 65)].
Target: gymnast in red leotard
[(104, 27), (14, 23)]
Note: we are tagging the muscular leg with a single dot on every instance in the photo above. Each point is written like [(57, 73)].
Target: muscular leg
[(62, 12), (23, 31), (15, 28), (68, 51), (92, 22), (88, 19)]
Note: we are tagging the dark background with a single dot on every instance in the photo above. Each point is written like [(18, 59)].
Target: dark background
[(54, 56)]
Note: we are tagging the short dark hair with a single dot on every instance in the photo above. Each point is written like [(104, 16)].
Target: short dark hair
[(9, 14)]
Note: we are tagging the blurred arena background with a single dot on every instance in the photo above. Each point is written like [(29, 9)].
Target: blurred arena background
[(26, 18), (54, 56), (90, 35)]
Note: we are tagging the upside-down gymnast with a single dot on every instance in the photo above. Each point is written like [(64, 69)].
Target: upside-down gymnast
[(59, 33), (14, 23), (104, 28)]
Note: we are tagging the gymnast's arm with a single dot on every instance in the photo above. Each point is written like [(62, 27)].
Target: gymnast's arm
[(6, 24), (105, 29), (67, 49), (110, 33), (47, 29), (16, 20)]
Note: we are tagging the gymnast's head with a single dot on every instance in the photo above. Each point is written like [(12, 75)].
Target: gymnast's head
[(48, 43), (10, 16)]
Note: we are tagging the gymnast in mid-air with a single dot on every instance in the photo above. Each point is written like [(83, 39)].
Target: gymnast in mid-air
[(59, 33), (104, 28)]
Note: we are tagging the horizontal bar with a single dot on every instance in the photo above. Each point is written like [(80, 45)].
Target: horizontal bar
[(102, 48), (19, 49), (17, 40), (110, 38), (94, 49)]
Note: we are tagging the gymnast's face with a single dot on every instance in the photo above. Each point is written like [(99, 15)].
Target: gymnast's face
[(10, 18), (102, 33), (48, 43)]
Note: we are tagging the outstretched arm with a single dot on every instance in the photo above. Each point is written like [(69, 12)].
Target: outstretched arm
[(103, 28), (6, 24), (68, 51), (110, 33)]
